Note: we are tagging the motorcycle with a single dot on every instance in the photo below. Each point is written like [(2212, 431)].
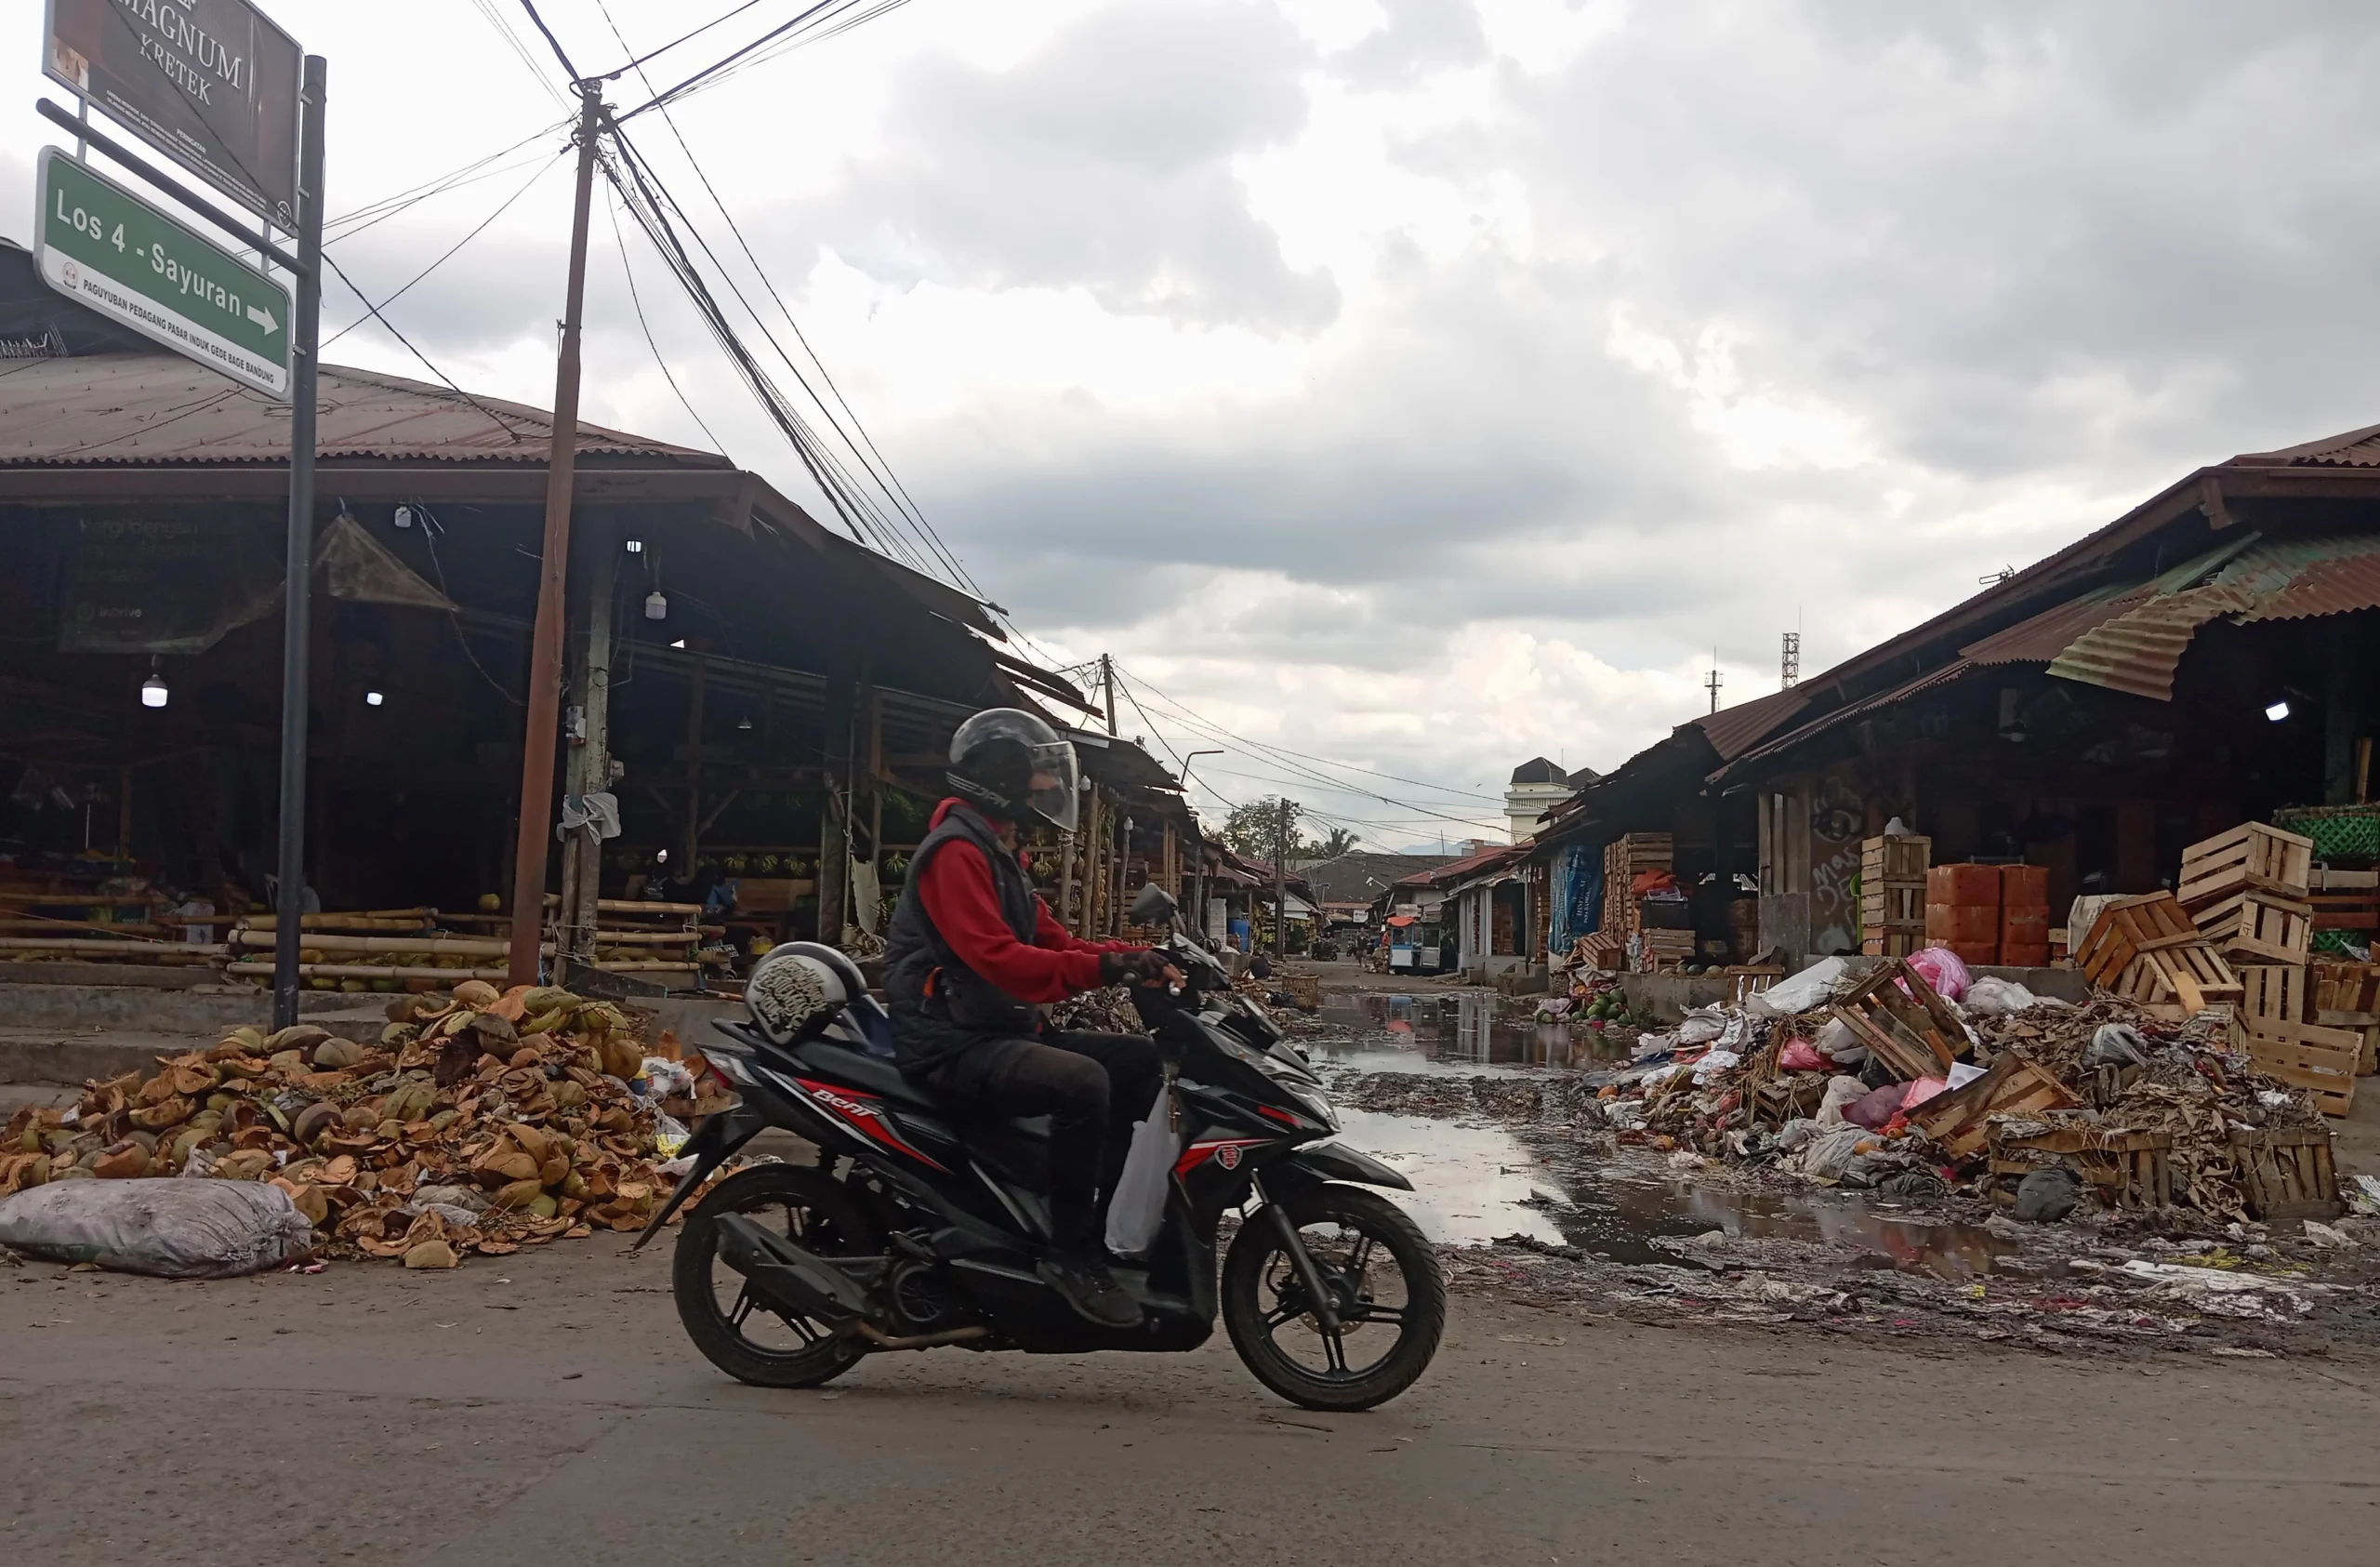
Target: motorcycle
[(917, 1228)]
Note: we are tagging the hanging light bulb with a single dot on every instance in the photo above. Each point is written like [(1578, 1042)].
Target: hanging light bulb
[(152, 690), (404, 516), (680, 643), (636, 546), (373, 698), (744, 722), (656, 605), (2279, 710)]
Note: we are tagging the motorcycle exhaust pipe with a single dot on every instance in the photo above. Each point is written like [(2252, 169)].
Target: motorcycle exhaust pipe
[(799, 1282)]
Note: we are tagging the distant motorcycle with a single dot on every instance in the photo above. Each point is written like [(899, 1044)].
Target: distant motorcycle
[(918, 1227)]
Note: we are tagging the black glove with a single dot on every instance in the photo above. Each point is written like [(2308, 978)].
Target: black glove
[(1140, 967)]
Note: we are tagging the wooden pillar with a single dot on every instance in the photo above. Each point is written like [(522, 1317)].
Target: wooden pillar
[(590, 761), (1069, 845), (834, 818), (691, 842)]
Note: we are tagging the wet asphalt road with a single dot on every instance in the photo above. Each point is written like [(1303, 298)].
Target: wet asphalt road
[(546, 1408)]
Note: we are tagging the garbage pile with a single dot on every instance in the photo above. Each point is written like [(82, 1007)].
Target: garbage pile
[(482, 1122), (1917, 1081)]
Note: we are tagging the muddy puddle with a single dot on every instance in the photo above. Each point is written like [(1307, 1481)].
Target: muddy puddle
[(1459, 1033), (1475, 1182)]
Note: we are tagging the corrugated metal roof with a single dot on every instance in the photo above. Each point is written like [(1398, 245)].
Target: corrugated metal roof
[(1954, 671), (2353, 448), (1732, 731), (2046, 635), (2139, 648), (158, 409)]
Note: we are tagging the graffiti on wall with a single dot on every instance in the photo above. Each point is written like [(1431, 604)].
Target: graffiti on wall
[(1849, 803)]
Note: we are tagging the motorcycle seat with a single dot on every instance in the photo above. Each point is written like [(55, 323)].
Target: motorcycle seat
[(999, 1137)]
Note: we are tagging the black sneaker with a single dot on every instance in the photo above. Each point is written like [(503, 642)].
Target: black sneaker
[(1091, 1290)]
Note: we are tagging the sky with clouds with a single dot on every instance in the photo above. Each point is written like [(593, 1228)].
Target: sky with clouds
[(1423, 385)]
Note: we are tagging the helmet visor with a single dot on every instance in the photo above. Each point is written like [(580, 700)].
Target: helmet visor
[(1056, 792)]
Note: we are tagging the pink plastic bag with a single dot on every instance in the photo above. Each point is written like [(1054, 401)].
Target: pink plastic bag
[(1922, 1090), (1800, 1056), (1876, 1107), (1940, 968)]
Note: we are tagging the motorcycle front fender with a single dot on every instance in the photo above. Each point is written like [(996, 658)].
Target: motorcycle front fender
[(713, 1144), (1332, 1161)]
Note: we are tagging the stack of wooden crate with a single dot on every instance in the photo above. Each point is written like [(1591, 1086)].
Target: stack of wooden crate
[(1624, 859), (1892, 894), (2249, 892)]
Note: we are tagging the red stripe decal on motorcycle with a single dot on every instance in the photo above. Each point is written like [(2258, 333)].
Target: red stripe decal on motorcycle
[(860, 1110), (1224, 1151)]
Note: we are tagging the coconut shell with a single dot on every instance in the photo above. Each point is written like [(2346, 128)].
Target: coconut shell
[(516, 1194), (298, 1036), (336, 1055), (158, 1117), (431, 1253), (477, 994), (126, 1161)]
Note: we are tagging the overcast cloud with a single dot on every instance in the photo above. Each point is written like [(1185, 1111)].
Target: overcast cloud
[(1427, 384)]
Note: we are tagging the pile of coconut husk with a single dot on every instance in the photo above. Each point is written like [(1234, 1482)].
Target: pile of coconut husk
[(482, 1122)]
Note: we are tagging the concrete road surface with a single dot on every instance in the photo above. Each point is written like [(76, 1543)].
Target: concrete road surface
[(546, 1408)]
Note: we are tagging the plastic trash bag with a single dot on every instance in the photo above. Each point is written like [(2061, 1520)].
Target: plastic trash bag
[(1924, 1088), (1829, 1155), (1800, 1056), (1839, 1091), (163, 1225), (1941, 969), (1876, 1107), (1701, 1026), (1993, 997), (1137, 1208), (2116, 1044), (1812, 987)]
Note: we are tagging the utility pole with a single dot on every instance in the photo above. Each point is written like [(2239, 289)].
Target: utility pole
[(1107, 683), (546, 641), (297, 614), (1715, 681), (1282, 822)]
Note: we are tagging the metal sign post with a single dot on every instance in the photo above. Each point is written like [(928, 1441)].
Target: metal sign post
[(298, 621), (215, 86)]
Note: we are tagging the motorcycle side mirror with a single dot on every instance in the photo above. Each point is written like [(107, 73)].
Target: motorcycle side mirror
[(1155, 906)]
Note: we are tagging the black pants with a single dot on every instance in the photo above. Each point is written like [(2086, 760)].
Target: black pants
[(1091, 1086)]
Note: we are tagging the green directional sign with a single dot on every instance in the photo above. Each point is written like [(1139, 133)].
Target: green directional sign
[(109, 250)]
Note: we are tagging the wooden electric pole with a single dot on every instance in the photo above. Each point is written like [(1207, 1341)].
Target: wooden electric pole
[(1281, 818), (1107, 683), (539, 737)]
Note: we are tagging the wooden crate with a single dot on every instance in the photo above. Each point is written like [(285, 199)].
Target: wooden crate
[(1892, 918), (1747, 980), (2258, 927), (2287, 1175), (2323, 1061), (2131, 1169), (1902, 1022), (2272, 992), (2147, 951), (2335, 985), (1959, 1122), (2251, 857), (2345, 899), (1895, 861)]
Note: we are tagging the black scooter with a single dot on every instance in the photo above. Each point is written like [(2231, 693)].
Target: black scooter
[(916, 1228)]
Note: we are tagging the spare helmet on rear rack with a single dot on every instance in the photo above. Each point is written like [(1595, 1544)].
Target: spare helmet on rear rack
[(800, 987)]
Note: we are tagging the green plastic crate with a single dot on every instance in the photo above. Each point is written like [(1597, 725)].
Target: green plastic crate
[(2343, 834)]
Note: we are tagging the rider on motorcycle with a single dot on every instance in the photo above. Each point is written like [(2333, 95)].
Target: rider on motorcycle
[(973, 956)]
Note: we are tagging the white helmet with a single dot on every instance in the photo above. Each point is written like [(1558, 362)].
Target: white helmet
[(796, 990)]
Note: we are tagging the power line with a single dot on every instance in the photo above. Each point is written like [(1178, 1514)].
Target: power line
[(630, 272), (374, 311), (637, 63), (1214, 730), (717, 66), (500, 211)]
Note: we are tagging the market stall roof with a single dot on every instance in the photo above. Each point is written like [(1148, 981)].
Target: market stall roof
[(1400, 920), (2113, 609)]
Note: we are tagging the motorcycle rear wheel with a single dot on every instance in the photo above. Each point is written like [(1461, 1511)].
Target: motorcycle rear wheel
[(1267, 1309), (812, 1210)]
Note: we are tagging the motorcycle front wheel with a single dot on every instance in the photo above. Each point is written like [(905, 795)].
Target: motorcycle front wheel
[(1386, 1293), (737, 1332)]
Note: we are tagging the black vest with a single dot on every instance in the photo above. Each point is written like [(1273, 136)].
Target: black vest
[(939, 1006)]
